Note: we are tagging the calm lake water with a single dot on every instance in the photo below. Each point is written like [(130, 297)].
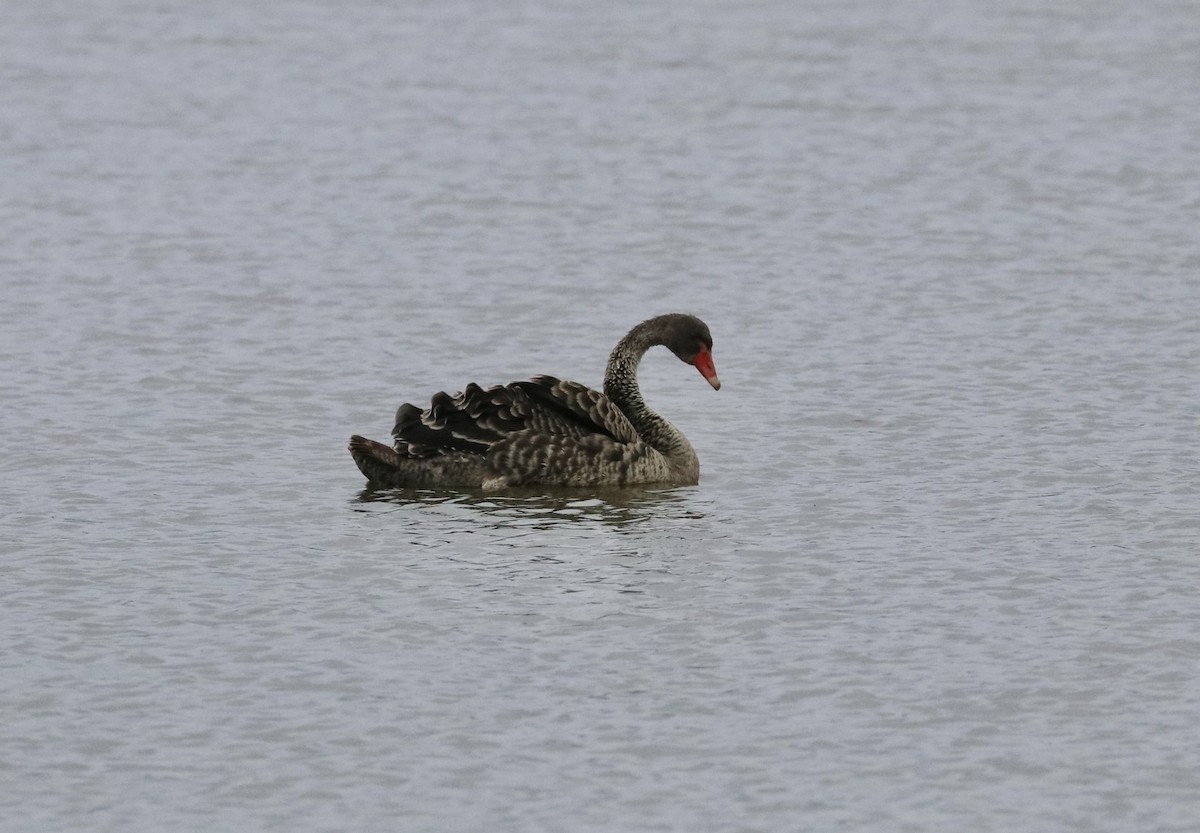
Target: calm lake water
[(941, 569)]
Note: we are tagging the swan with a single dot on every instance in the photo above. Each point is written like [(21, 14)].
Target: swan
[(548, 431)]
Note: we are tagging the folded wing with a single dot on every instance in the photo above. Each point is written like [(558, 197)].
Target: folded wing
[(477, 419)]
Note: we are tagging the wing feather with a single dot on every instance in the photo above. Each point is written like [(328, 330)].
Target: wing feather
[(477, 419), (572, 403)]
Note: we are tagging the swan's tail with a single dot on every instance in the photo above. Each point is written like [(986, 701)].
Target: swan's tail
[(378, 463), (387, 468)]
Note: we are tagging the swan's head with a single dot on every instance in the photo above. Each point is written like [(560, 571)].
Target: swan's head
[(688, 338)]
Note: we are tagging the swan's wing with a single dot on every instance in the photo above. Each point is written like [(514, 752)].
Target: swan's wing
[(471, 422), (572, 409), (476, 419)]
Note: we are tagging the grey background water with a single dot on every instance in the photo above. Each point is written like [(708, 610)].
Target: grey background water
[(941, 570)]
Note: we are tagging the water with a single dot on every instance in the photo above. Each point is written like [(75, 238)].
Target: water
[(940, 570)]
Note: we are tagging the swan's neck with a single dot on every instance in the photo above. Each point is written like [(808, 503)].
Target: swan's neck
[(621, 386)]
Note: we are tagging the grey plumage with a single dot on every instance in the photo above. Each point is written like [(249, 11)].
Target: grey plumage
[(547, 431)]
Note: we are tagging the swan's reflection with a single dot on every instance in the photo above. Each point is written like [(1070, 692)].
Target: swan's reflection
[(621, 509)]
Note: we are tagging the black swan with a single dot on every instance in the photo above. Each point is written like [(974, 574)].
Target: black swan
[(548, 431)]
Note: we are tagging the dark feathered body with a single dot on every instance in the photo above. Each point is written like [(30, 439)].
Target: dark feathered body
[(546, 431)]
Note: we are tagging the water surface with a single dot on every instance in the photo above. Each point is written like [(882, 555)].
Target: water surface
[(940, 569)]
